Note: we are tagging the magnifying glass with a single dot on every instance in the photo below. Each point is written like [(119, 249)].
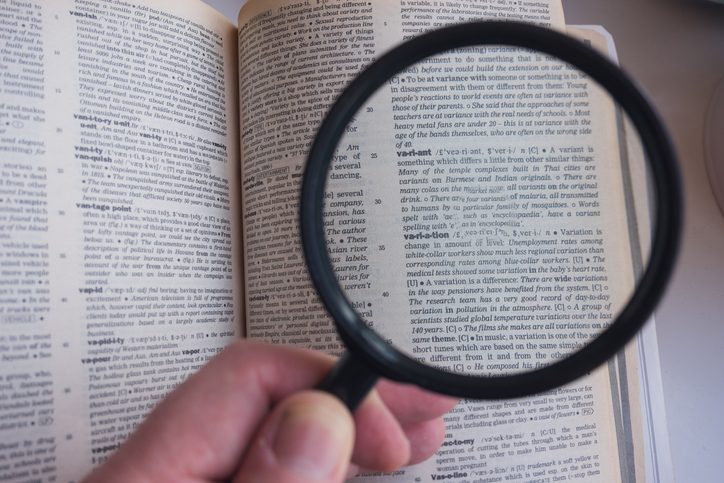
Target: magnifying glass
[(475, 213)]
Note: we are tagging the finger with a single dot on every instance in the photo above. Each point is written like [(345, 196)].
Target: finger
[(425, 439), (421, 440), (352, 471), (381, 443), (410, 404), (307, 438), (404, 430)]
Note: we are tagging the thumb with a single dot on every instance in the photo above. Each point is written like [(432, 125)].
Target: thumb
[(307, 438)]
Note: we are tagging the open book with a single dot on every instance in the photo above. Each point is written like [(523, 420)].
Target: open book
[(150, 158)]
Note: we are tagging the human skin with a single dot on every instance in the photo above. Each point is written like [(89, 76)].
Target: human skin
[(249, 415)]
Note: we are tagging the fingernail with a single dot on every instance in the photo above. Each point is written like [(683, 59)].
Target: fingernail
[(311, 441)]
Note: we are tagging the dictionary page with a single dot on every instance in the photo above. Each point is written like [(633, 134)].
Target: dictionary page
[(118, 195), (294, 59), (642, 411)]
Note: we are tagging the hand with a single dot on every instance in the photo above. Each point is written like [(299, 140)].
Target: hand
[(248, 415)]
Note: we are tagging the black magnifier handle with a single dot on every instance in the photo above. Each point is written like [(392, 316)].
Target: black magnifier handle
[(349, 380)]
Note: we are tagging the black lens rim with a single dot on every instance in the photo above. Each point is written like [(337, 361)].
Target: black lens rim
[(383, 358)]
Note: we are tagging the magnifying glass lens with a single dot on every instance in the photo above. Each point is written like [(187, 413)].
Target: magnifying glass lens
[(487, 211)]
